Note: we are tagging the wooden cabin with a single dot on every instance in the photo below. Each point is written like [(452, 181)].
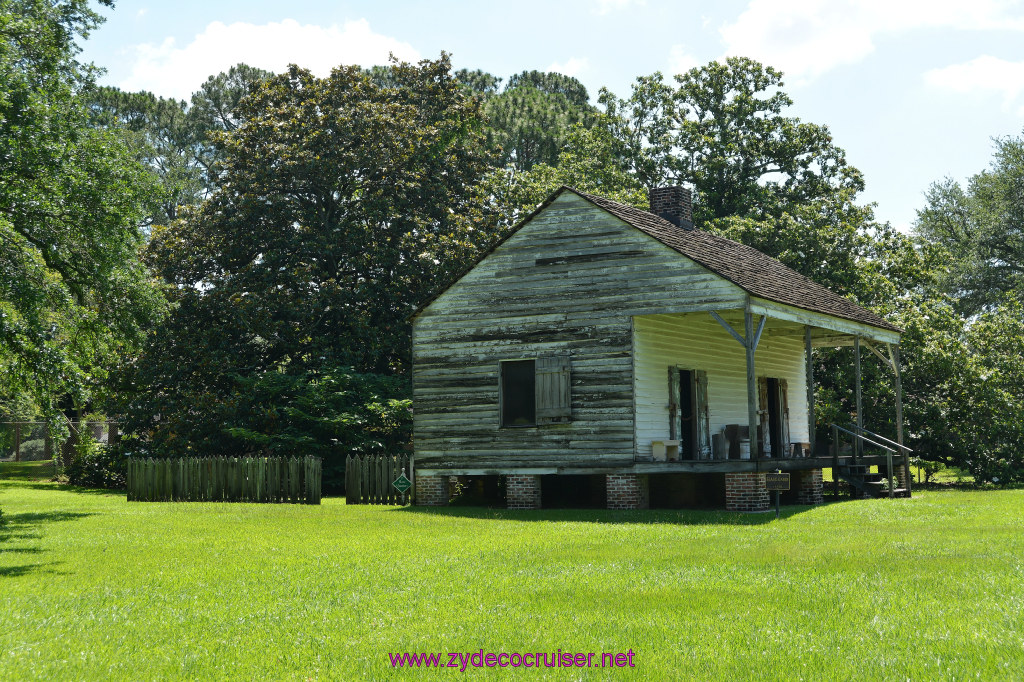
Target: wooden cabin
[(622, 350)]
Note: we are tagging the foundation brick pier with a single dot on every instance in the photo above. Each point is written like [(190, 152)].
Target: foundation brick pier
[(746, 492), (522, 491), (627, 491), (808, 486), (432, 490)]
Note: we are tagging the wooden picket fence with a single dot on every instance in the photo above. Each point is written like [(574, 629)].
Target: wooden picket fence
[(225, 479), (369, 479)]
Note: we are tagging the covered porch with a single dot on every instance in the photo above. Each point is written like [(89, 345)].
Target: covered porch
[(750, 371)]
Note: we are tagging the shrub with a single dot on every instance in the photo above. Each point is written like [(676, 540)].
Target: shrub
[(96, 466)]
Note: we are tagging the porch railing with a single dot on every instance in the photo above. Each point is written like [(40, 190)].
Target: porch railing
[(861, 436)]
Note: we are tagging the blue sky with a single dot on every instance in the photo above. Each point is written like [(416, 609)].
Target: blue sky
[(913, 90)]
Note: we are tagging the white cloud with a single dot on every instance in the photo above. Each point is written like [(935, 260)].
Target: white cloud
[(806, 38), (983, 74), (608, 6), (680, 61), (572, 67), (171, 71)]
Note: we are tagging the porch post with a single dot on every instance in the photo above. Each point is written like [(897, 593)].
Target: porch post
[(894, 352), (748, 332), (810, 389), (858, 443)]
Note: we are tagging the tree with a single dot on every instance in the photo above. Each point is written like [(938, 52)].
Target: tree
[(553, 83), (166, 141), (343, 203), (982, 226), (478, 82), (216, 104), (723, 131), (73, 293), (530, 120), (971, 347), (174, 139), (591, 161)]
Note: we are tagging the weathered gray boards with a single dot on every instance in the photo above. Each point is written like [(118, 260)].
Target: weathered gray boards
[(550, 355)]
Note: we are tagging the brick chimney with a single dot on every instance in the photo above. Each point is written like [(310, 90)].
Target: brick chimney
[(673, 204)]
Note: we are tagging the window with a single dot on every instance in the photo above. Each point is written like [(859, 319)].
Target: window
[(689, 421), (535, 391), (518, 391)]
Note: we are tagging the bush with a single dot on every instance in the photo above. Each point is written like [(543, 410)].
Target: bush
[(96, 466)]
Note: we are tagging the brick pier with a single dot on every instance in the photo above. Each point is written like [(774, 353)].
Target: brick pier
[(522, 491), (432, 490), (746, 492), (627, 491), (808, 486)]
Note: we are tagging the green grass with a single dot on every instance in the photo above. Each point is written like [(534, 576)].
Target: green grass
[(94, 588), (945, 476), (27, 471)]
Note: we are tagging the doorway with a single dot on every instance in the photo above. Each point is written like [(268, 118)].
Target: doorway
[(687, 415), (775, 418)]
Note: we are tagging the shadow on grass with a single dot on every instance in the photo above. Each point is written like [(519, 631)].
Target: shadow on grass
[(25, 519), (683, 517), (63, 487), (27, 471), (16, 571), (39, 476), (27, 526)]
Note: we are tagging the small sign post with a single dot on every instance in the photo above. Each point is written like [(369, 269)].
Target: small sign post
[(778, 482), (402, 484)]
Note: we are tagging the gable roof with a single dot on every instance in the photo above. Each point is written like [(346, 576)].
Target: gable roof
[(756, 273)]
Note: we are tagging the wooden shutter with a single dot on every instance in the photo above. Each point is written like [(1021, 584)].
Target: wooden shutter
[(785, 446), (703, 416), (554, 400), (762, 415), (674, 425)]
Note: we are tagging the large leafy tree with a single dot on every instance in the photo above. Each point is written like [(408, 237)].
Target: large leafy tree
[(174, 139), (759, 175), (591, 160), (73, 293), (972, 344), (342, 203), (982, 226), (166, 140), (529, 122), (724, 131)]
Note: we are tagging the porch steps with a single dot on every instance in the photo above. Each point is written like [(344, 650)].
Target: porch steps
[(865, 484)]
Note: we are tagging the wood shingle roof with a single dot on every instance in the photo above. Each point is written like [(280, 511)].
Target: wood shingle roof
[(756, 273)]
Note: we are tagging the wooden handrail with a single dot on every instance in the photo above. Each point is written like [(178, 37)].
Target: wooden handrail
[(863, 438), (882, 438)]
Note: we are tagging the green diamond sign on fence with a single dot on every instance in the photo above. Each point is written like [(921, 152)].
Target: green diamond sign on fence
[(402, 483)]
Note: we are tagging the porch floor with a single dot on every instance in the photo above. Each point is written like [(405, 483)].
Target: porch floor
[(756, 465)]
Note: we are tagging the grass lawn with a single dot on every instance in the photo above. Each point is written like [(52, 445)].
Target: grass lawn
[(95, 588)]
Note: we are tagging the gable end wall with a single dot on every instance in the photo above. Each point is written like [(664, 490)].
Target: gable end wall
[(568, 282)]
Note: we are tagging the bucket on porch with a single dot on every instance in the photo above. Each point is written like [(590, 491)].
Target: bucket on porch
[(745, 449)]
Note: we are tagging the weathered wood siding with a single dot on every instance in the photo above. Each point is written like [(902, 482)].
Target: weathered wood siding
[(696, 341), (570, 281)]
